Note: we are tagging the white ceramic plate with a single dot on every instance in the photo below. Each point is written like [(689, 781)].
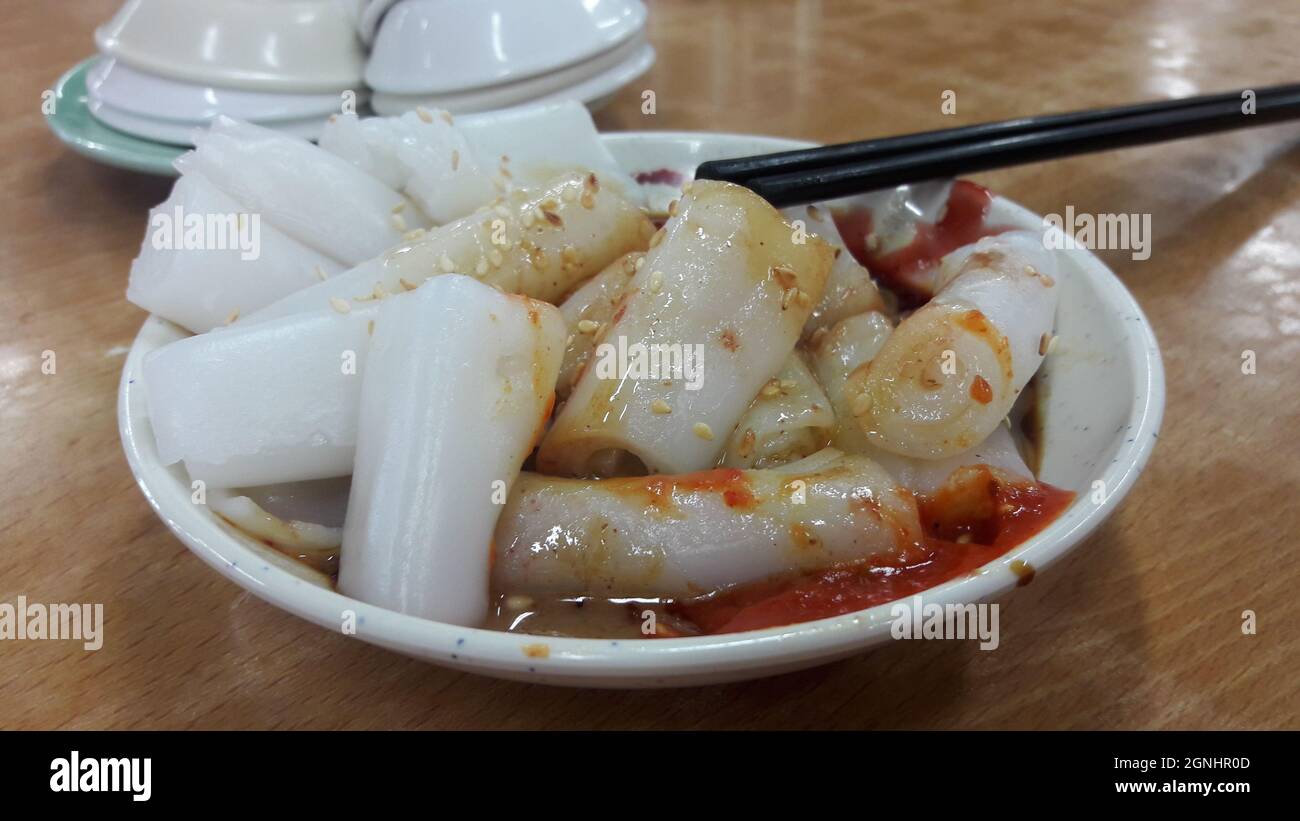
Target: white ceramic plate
[(1104, 402)]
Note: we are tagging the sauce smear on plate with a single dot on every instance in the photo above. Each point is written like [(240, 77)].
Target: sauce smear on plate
[(993, 524)]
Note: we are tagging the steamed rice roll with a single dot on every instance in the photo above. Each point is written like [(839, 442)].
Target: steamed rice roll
[(319, 199), (789, 419), (459, 381), (680, 536), (260, 404), (420, 153), (950, 372), (724, 284), (199, 286), (540, 243)]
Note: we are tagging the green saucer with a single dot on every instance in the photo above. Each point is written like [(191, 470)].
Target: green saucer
[(72, 123)]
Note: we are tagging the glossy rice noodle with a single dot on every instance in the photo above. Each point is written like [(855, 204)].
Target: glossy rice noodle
[(262, 403), (849, 290), (533, 144), (230, 264), (927, 476), (841, 355), (459, 382), (950, 372), (726, 285), (789, 419), (680, 536), (308, 193), (592, 304), (540, 243), (419, 153)]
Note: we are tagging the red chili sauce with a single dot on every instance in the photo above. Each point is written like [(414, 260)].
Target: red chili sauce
[(906, 271), (995, 519)]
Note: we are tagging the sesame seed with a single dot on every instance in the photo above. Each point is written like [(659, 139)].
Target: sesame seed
[(423, 114), (587, 326), (786, 277), (702, 430), (661, 407), (340, 305)]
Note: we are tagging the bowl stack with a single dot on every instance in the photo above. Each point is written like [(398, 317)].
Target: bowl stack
[(167, 68), (477, 55), (170, 66)]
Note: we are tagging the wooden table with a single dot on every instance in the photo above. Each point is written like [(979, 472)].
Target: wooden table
[(1140, 627)]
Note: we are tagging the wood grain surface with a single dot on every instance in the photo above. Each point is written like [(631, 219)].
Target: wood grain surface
[(1140, 627)]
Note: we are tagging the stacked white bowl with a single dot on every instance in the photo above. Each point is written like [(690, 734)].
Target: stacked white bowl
[(171, 66), (478, 55)]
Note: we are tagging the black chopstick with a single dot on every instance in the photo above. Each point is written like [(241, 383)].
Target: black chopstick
[(741, 170), (824, 183)]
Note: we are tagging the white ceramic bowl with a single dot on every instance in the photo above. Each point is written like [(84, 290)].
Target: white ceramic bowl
[(588, 82), (147, 95), (286, 45), (445, 46), (1104, 403)]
